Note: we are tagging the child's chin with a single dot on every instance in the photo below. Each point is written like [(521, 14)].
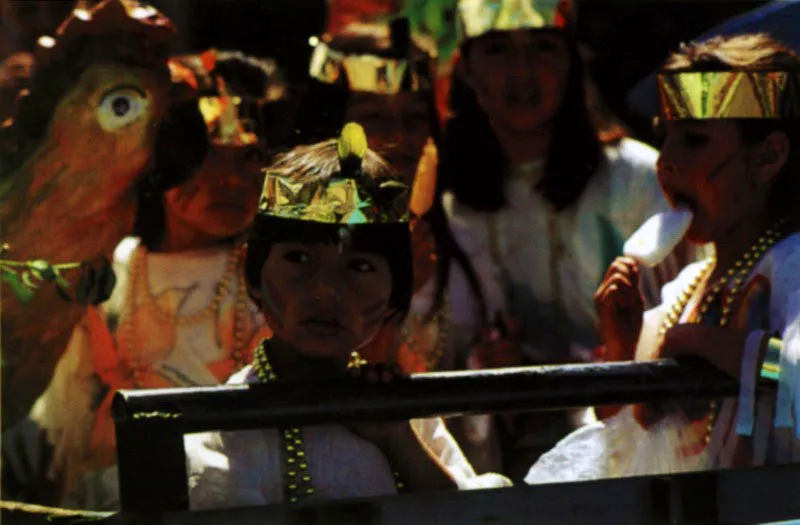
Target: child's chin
[(696, 235)]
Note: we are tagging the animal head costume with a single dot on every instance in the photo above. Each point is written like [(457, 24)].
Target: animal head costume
[(72, 154)]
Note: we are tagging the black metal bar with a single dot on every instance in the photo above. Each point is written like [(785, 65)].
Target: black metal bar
[(152, 465), (150, 424), (448, 393)]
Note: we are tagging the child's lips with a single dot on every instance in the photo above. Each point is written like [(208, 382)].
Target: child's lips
[(323, 326), (684, 201)]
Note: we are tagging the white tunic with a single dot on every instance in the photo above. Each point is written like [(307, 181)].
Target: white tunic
[(542, 266), (161, 321), (244, 468), (621, 447)]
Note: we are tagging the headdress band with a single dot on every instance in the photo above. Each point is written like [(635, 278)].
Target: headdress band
[(478, 17), (350, 197), (231, 118), (729, 95), (370, 73)]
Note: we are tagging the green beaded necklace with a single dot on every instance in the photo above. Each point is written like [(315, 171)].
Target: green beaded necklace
[(297, 483)]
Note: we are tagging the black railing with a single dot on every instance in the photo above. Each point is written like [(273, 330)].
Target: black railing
[(150, 424)]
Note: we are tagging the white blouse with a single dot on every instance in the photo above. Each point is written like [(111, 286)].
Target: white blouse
[(544, 266)]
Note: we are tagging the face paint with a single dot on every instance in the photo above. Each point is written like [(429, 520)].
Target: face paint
[(374, 314), (269, 304), (714, 173)]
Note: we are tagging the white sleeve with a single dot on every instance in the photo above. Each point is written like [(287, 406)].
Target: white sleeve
[(434, 434), (213, 484)]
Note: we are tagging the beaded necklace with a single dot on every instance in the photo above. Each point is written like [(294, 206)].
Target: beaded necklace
[(297, 483), (139, 286), (735, 276)]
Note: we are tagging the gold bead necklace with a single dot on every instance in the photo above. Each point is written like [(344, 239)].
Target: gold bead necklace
[(139, 279), (297, 483), (734, 276)]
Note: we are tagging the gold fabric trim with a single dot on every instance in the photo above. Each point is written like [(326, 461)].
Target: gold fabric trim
[(728, 95), (336, 201), (478, 17), (369, 73)]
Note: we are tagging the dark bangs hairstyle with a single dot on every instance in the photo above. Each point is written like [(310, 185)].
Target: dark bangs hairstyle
[(320, 163), (753, 52), (472, 162)]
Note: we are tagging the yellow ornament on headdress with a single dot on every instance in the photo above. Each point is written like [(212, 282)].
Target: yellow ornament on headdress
[(478, 17), (350, 197), (352, 142), (729, 95)]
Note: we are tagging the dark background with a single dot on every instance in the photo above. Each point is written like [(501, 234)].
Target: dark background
[(627, 38)]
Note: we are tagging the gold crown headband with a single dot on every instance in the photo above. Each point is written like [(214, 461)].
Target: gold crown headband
[(351, 197), (729, 94), (369, 73), (230, 118), (225, 119), (478, 17)]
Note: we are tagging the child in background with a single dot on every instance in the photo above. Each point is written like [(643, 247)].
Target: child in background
[(180, 314)]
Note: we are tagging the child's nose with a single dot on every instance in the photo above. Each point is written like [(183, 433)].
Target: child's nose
[(328, 290)]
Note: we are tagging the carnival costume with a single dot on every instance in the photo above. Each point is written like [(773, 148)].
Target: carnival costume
[(400, 69), (327, 461), (537, 265), (759, 294), (174, 320)]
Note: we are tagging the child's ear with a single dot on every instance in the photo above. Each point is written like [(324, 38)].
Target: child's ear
[(770, 156)]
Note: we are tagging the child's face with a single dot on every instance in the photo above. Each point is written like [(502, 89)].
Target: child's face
[(323, 300), (706, 165), (397, 126), (221, 199), (519, 77)]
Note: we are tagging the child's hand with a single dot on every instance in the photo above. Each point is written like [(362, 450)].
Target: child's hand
[(722, 347), (620, 305), (380, 434)]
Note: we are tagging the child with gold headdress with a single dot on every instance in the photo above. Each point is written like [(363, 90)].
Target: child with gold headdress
[(329, 262), (542, 197), (731, 122), (381, 75), (179, 314)]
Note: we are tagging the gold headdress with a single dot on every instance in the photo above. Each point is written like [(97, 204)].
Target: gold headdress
[(231, 116), (478, 17), (729, 94), (384, 74), (348, 198)]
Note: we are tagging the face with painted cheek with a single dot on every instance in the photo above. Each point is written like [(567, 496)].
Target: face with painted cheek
[(324, 300), (221, 199), (705, 164), (519, 77), (398, 126)]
